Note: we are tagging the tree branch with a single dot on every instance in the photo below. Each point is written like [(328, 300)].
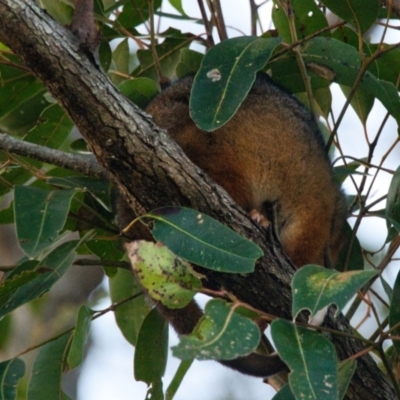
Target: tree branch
[(151, 168), (85, 165)]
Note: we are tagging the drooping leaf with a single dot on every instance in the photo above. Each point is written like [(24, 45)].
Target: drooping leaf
[(226, 75), (203, 241), (189, 63), (20, 94), (394, 312), (47, 370), (98, 188), (392, 211), (168, 55), (164, 275), (39, 216), (219, 335), (7, 215), (359, 13), (135, 13), (129, 316), (177, 4), (151, 349), (9, 286), (177, 379), (56, 263), (52, 128), (311, 358), (350, 256), (284, 394), (140, 91), (11, 371), (330, 53), (315, 287), (80, 337), (361, 102), (346, 372), (308, 18)]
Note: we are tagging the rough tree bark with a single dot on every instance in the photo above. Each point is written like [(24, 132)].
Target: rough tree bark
[(152, 171)]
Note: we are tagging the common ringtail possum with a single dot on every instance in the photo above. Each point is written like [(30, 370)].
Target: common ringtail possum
[(270, 153)]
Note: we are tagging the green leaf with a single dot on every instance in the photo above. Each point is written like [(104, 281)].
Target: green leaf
[(140, 91), (135, 13), (311, 358), (107, 249), (39, 216), (47, 370), (315, 287), (10, 286), (151, 349), (226, 75), (11, 371), (394, 312), (177, 4), (178, 378), (56, 263), (361, 102), (219, 335), (99, 189), (284, 394), (20, 94), (129, 316), (346, 372), (105, 55), (350, 258), (168, 54), (308, 18), (52, 128), (80, 337), (359, 13), (59, 10), (330, 53), (189, 63), (7, 215), (201, 240), (392, 211), (165, 276)]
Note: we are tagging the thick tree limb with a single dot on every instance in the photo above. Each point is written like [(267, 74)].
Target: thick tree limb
[(149, 167)]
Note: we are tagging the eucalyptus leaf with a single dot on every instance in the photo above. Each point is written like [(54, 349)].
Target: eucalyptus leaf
[(52, 128), (52, 268), (39, 215), (11, 371), (346, 372), (47, 369), (165, 276), (392, 211), (394, 312), (140, 91), (311, 358), (329, 54), (308, 19), (151, 349), (359, 13), (80, 337), (315, 288), (221, 334), (226, 75), (129, 316), (201, 240)]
